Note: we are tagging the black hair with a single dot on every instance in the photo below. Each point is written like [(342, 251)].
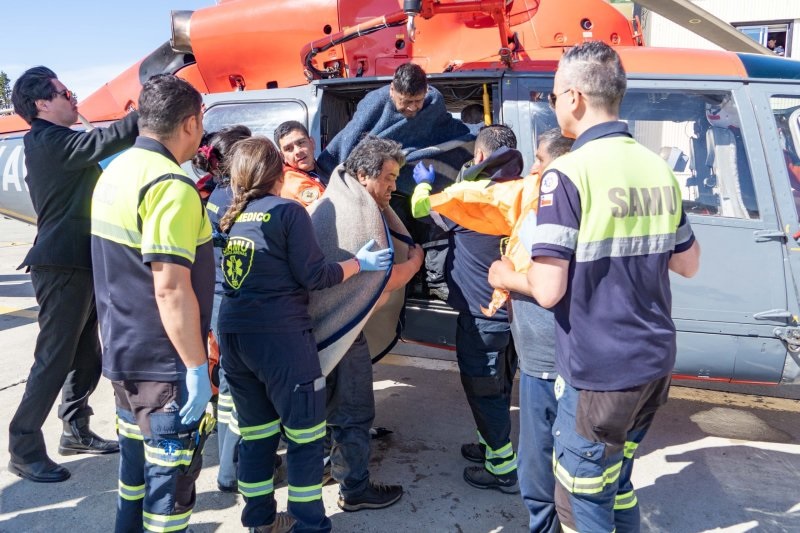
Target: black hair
[(369, 155), (220, 144), (35, 84), (409, 78), (494, 137), (285, 128), (165, 102)]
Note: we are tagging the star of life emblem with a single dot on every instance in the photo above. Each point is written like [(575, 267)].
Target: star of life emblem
[(237, 260)]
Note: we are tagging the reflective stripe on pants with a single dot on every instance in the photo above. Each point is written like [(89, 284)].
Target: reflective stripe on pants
[(156, 486), (595, 437), (274, 379)]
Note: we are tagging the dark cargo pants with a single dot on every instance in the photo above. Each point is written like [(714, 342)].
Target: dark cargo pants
[(487, 362), (275, 379), (156, 471), (596, 434)]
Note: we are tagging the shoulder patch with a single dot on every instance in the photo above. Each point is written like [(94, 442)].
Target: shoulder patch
[(310, 195), (237, 260), (549, 182)]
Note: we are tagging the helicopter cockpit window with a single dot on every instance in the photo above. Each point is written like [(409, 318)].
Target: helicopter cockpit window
[(786, 110), (698, 133), (261, 117)]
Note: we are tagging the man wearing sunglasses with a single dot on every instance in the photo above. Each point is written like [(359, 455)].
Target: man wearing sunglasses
[(603, 267), (62, 169)]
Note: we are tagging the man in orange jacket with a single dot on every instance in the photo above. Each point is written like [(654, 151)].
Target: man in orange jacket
[(301, 178)]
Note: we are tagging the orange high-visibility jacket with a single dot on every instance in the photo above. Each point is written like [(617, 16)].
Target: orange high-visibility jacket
[(493, 208), (300, 186)]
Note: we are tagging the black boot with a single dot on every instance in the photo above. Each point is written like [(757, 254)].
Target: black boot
[(78, 438)]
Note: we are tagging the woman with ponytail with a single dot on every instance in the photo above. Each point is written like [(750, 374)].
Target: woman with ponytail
[(270, 263)]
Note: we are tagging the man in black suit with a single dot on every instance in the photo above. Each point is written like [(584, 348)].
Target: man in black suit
[(63, 167)]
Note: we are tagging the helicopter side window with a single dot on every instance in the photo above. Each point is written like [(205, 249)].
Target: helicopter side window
[(261, 117), (698, 134), (786, 110)]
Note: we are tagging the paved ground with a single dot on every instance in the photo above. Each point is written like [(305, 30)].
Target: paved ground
[(714, 461)]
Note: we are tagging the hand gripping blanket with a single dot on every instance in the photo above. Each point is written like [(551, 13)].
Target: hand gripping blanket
[(344, 219)]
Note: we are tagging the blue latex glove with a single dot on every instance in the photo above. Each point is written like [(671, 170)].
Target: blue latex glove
[(422, 174), (378, 260), (199, 386)]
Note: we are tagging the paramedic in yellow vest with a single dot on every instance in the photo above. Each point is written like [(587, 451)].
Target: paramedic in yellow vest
[(610, 228), (154, 274), (302, 180)]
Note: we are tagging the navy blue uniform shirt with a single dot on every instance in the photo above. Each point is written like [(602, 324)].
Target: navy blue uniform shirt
[(271, 262)]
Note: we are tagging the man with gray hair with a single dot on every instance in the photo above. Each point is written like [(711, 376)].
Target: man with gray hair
[(375, 162), (533, 333), (601, 261)]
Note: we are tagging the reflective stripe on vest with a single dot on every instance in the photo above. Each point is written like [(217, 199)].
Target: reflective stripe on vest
[(128, 179), (626, 210)]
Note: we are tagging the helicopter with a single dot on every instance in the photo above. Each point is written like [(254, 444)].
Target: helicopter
[(727, 121)]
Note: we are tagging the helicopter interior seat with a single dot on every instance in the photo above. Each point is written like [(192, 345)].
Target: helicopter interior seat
[(701, 181), (733, 180)]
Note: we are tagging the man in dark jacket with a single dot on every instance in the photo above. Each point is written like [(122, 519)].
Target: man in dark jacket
[(486, 357), (62, 169)]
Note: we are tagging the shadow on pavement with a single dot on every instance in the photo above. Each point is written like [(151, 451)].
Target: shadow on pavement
[(87, 501), (721, 471), (15, 285), (20, 317)]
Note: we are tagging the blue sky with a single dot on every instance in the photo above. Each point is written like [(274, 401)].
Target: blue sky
[(86, 43)]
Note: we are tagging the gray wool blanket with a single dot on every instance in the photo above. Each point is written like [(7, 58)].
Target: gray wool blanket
[(377, 115), (344, 219)]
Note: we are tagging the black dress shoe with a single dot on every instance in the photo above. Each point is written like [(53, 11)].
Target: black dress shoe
[(78, 438), (45, 471)]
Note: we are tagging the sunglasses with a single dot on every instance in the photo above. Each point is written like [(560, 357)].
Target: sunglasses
[(66, 93), (552, 97)]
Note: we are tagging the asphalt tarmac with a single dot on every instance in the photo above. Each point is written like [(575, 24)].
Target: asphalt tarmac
[(713, 461)]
